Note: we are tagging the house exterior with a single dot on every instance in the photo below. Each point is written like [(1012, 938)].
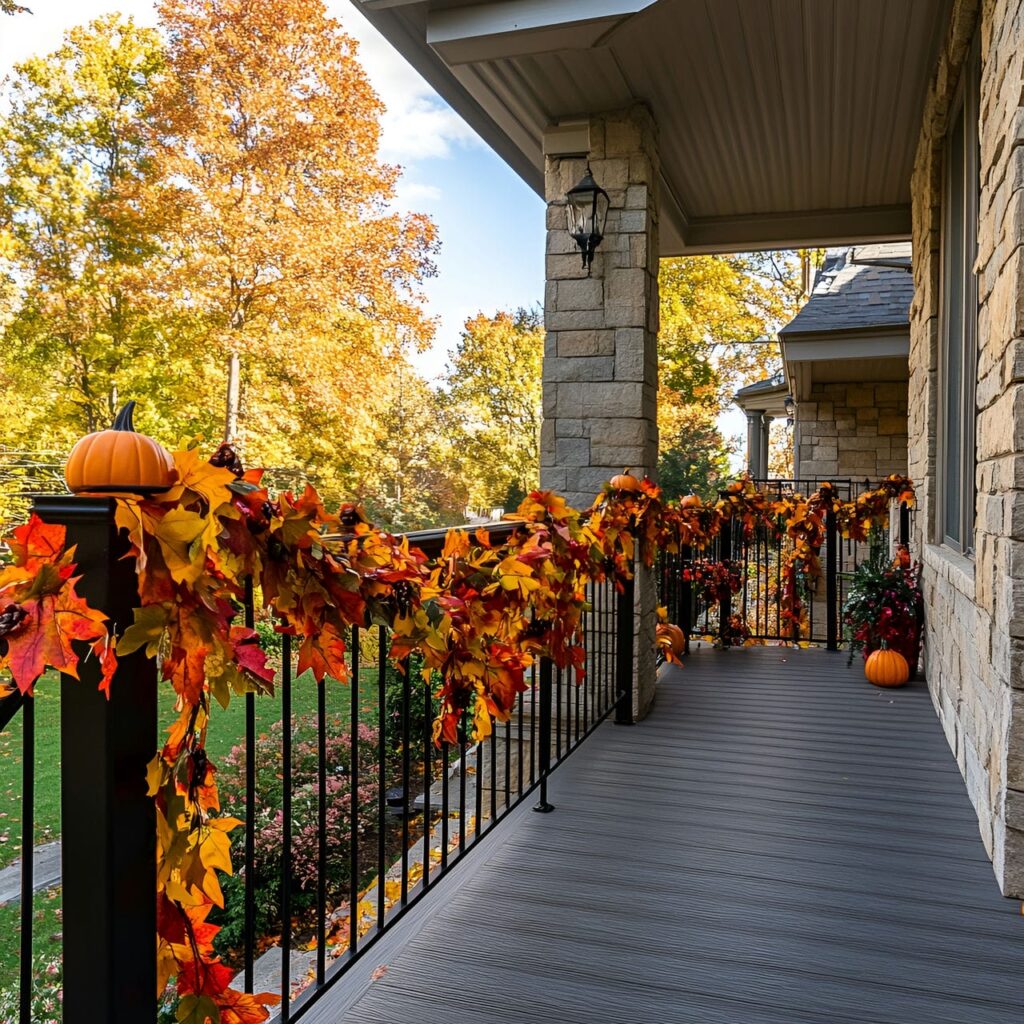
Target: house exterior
[(771, 124), (845, 370), (763, 403)]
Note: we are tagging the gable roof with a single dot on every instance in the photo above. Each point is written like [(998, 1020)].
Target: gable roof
[(859, 287)]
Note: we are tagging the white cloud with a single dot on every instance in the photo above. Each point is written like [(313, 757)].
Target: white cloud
[(411, 193), (417, 123)]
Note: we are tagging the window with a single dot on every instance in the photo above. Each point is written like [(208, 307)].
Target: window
[(955, 460)]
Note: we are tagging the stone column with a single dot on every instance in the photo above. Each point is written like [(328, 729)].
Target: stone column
[(600, 355), (754, 444), (766, 428)]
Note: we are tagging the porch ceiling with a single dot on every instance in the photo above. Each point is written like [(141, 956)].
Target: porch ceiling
[(781, 123)]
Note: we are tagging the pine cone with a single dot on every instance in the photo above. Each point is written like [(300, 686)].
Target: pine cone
[(225, 457), (11, 619)]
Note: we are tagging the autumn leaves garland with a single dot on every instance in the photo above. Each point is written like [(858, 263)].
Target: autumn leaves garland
[(479, 615)]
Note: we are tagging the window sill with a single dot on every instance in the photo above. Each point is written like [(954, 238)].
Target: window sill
[(951, 565)]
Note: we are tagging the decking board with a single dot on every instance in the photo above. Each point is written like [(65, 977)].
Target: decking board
[(778, 843)]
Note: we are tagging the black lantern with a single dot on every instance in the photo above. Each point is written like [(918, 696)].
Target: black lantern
[(587, 211), (790, 406)]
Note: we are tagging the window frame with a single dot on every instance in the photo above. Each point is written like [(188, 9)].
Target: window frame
[(966, 103)]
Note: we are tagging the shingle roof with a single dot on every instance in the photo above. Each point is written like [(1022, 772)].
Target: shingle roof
[(858, 287), (770, 384)]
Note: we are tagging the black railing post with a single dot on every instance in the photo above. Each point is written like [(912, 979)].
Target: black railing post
[(544, 739), (831, 582), (685, 593), (108, 825), (725, 552), (624, 605), (904, 524)]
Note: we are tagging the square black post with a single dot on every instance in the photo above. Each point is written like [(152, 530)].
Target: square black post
[(624, 633), (725, 554), (831, 582), (685, 620), (904, 524), (108, 823)]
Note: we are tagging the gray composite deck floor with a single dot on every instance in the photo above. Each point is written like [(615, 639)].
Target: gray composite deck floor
[(778, 842)]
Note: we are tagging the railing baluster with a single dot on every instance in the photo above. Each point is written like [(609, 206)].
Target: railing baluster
[(382, 726), (353, 805), (831, 583), (544, 759), (428, 756), (462, 784), (321, 828), (28, 828), (445, 804), (406, 772), (249, 856), (624, 650), (286, 816)]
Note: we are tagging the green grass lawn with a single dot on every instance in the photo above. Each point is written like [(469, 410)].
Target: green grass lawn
[(46, 934), (227, 728)]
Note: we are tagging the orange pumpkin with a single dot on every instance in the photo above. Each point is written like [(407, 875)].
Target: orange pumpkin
[(886, 668), (625, 481), (690, 501), (668, 634), (119, 459)]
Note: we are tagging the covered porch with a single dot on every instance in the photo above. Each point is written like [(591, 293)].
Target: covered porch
[(777, 842)]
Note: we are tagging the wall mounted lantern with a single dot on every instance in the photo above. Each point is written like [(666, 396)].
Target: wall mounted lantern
[(587, 212), (790, 409)]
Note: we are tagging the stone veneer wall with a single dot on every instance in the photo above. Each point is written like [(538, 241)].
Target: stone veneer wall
[(852, 430), (600, 372), (974, 653)]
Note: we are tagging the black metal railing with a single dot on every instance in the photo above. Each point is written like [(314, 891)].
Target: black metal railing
[(753, 606), (361, 816)]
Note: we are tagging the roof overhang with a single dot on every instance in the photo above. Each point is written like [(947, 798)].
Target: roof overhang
[(757, 398), (870, 354), (782, 124)]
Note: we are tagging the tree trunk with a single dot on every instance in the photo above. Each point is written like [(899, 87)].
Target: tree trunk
[(234, 389)]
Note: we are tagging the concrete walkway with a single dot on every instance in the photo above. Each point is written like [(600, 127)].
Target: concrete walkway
[(45, 873)]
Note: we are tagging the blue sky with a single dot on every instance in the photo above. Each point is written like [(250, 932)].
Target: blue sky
[(492, 255)]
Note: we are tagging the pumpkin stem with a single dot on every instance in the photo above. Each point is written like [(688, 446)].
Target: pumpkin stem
[(123, 420)]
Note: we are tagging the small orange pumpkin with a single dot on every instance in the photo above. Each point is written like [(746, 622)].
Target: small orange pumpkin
[(690, 501), (625, 481), (886, 668), (119, 459), (670, 635)]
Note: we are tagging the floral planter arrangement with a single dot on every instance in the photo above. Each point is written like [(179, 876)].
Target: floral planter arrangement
[(884, 605)]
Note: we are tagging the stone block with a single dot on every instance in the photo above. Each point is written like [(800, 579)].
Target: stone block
[(614, 400), (585, 343), (580, 293), (573, 320), (570, 428), (892, 425), (582, 368), (612, 432), (620, 456), (572, 451)]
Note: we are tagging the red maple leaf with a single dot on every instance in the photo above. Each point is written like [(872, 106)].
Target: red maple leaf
[(45, 639)]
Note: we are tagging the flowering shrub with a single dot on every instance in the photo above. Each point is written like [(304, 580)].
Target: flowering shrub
[(714, 580), (47, 993), (885, 603), (269, 818)]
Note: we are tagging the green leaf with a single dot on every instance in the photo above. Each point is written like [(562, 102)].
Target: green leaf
[(196, 1009), (147, 630)]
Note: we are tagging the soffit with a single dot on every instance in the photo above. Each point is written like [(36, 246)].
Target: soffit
[(781, 123)]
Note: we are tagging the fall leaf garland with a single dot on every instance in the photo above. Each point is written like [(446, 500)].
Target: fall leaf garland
[(479, 614)]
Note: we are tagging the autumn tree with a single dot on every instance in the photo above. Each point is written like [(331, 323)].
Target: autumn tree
[(719, 318), (78, 239), (268, 134), (493, 399)]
